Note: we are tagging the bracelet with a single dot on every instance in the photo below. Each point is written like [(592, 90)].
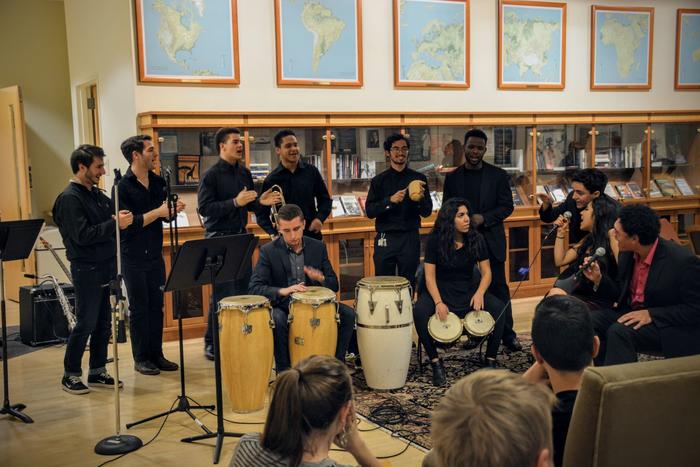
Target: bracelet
[(560, 236), (438, 303)]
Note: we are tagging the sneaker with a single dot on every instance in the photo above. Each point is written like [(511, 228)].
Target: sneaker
[(103, 379), (146, 368), (491, 362), (74, 385), (164, 364), (209, 352), (512, 344), (439, 376)]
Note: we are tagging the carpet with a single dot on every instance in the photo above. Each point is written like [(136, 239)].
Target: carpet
[(15, 347)]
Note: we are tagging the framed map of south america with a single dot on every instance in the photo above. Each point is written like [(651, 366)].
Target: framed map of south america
[(318, 42), (187, 41)]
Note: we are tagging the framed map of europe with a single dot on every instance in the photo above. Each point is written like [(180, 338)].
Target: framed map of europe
[(431, 43), (531, 45), (687, 74), (187, 41), (622, 40), (319, 42)]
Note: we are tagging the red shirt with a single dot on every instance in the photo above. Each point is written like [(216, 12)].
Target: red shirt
[(640, 276)]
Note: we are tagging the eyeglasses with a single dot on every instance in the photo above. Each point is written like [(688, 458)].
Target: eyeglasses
[(398, 149)]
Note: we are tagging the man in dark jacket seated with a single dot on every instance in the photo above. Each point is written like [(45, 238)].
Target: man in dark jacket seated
[(288, 265), (657, 293)]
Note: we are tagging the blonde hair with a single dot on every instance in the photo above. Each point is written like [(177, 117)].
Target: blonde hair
[(492, 418)]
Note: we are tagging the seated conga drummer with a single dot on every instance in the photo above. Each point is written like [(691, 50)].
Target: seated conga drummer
[(450, 255), (288, 265)]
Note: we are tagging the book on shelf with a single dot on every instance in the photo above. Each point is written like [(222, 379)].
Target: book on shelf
[(363, 201), (541, 191), (517, 199), (667, 187), (436, 198), (337, 210), (635, 189), (556, 192), (351, 206), (683, 187), (624, 191), (654, 191), (610, 191), (259, 170)]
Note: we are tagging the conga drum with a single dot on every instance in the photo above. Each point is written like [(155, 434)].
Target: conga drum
[(479, 323), (313, 323), (246, 345), (445, 332), (384, 329)]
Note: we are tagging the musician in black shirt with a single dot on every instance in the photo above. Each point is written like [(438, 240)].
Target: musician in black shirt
[(226, 195), (301, 184), (84, 217), (143, 193), (397, 243)]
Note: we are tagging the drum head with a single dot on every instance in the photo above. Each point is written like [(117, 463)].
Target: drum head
[(445, 331), (384, 282), (314, 294), (479, 323), (243, 301)]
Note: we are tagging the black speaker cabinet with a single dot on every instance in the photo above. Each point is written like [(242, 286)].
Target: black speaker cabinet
[(41, 318)]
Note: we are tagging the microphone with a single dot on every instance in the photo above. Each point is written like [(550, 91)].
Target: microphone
[(570, 283), (599, 253), (567, 215)]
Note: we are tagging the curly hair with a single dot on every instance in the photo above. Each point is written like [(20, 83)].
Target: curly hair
[(642, 221), (444, 230)]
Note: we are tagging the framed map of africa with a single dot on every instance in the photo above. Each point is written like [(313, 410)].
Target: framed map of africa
[(431, 43), (531, 45), (622, 40), (187, 41), (687, 74), (319, 42)]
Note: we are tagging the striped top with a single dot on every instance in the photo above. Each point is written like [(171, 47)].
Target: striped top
[(250, 453)]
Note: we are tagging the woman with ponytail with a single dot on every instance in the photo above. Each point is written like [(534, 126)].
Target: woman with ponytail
[(311, 409)]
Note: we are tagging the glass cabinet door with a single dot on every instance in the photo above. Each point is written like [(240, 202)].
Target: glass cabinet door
[(619, 152), (352, 266), (188, 153), (547, 267), (558, 154), (518, 253), (675, 153), (509, 147)]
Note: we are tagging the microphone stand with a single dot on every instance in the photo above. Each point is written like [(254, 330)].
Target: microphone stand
[(118, 443), (183, 402)]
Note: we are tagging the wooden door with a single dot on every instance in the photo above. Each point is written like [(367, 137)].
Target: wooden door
[(15, 201)]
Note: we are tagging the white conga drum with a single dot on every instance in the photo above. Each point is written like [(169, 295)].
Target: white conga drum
[(384, 329), (479, 323), (313, 323), (445, 332), (246, 346)]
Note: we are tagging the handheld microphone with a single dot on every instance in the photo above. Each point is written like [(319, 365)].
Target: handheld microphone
[(567, 215), (570, 283), (599, 253)]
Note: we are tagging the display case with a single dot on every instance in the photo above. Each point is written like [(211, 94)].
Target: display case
[(637, 150)]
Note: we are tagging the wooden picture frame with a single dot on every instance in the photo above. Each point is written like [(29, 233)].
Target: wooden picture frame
[(679, 84), (303, 77), (146, 45), (597, 83), (505, 47), (407, 78)]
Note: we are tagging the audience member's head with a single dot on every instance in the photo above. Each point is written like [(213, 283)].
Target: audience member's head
[(562, 334), (637, 225), (312, 399), (494, 418)]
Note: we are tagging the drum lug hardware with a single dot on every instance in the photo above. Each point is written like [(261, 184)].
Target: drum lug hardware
[(272, 324), (315, 322), (372, 304), (290, 318), (399, 305), (247, 328), (299, 340), (386, 309)]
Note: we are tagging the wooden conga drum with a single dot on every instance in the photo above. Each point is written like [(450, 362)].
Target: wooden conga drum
[(313, 323)]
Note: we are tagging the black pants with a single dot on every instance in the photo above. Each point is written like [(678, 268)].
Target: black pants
[(425, 308), (402, 252), (281, 335), (499, 288), (620, 343), (143, 286), (92, 311)]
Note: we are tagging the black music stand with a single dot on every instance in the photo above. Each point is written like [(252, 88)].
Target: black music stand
[(17, 239), (211, 261)]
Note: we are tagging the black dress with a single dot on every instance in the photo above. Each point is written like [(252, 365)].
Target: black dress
[(583, 289)]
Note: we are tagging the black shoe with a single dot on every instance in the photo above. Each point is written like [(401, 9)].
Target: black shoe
[(146, 368), (491, 362), (74, 385), (512, 344), (103, 379), (209, 352), (164, 364), (439, 377), (471, 343)]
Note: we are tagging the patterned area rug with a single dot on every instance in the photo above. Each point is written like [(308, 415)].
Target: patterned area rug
[(406, 411)]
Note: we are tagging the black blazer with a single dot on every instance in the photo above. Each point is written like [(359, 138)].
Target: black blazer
[(273, 268), (495, 204), (672, 295)]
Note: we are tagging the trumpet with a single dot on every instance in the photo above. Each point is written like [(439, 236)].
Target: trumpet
[(274, 208)]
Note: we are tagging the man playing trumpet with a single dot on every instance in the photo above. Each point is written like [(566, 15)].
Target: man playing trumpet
[(397, 199)]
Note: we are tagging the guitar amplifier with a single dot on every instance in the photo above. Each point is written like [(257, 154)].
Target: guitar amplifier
[(41, 318)]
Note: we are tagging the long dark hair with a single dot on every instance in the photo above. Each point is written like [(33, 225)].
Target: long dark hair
[(604, 215), (308, 397), (444, 230)]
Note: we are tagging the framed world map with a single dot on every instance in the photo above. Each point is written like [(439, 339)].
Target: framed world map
[(531, 45), (431, 43), (687, 74), (187, 41), (622, 40), (319, 42)]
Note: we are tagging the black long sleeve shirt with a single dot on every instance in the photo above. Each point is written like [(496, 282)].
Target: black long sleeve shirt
[(404, 216), (304, 187), (141, 245), (84, 218), (217, 189)]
